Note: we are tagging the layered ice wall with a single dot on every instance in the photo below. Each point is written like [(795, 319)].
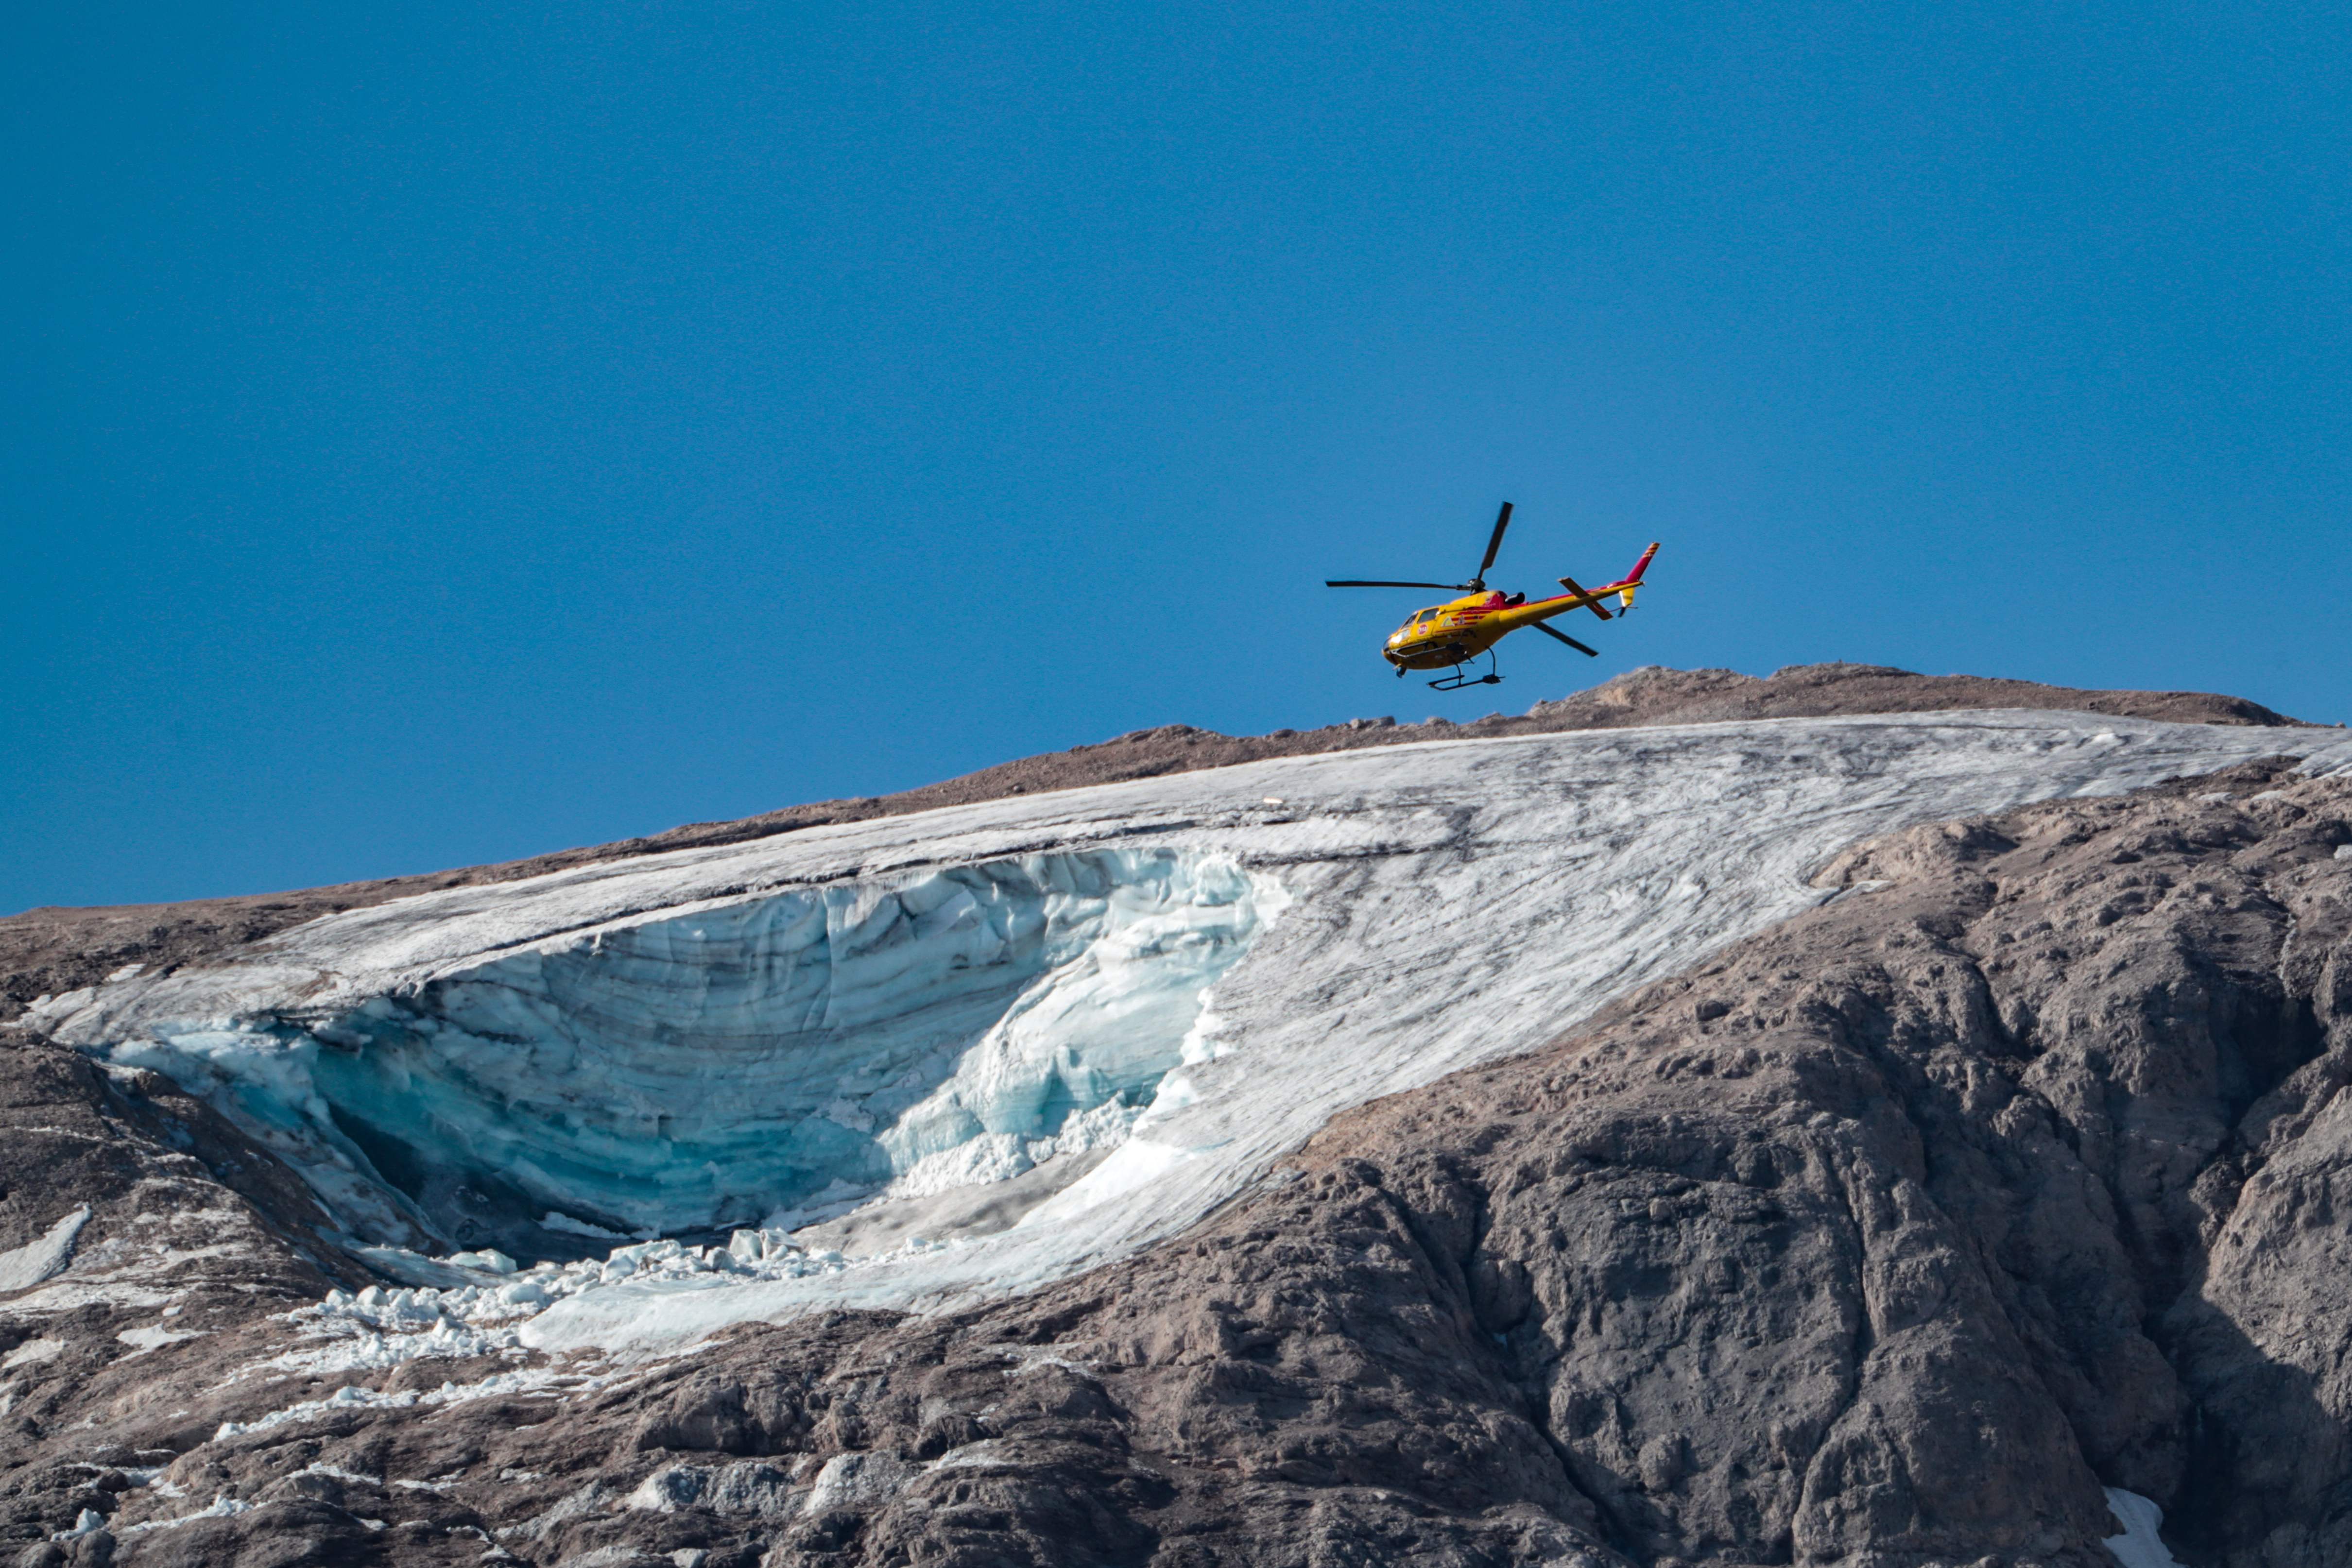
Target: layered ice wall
[(749, 1063), (1440, 904)]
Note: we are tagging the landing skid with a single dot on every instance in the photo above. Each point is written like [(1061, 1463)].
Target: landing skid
[(1460, 676)]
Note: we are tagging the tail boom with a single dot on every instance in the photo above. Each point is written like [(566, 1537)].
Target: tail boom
[(1577, 598)]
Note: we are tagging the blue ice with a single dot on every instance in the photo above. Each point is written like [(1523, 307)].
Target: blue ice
[(747, 1060)]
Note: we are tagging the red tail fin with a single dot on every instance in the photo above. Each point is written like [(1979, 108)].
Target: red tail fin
[(1642, 565)]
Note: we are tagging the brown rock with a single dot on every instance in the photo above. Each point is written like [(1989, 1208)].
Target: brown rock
[(1885, 1238)]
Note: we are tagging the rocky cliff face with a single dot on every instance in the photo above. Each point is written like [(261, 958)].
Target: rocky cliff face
[(1888, 1237)]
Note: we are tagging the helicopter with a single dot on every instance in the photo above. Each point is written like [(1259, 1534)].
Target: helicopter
[(1448, 636)]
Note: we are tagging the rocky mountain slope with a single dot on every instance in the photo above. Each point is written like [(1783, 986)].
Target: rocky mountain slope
[(1994, 1171)]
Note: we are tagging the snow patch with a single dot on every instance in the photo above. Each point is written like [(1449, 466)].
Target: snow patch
[(535, 1381), (336, 1472), (89, 1522), (22, 1267), (154, 1337), (32, 1352), (2139, 1545), (222, 1507)]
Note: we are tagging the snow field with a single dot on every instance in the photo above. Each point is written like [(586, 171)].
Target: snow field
[(2139, 1545)]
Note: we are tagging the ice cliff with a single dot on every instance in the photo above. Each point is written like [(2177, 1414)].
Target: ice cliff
[(746, 1062), (1017, 1038)]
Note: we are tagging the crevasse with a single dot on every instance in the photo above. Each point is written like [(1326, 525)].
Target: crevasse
[(759, 1060)]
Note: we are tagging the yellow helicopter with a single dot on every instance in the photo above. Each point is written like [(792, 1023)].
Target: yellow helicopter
[(1450, 635)]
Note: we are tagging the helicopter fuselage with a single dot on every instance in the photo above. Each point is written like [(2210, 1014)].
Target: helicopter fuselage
[(1461, 629)]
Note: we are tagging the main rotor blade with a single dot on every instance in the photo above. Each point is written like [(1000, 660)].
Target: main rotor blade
[(1592, 604), (1356, 583), (1494, 544), (1564, 637)]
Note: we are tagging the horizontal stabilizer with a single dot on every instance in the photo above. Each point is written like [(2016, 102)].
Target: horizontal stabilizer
[(1592, 601)]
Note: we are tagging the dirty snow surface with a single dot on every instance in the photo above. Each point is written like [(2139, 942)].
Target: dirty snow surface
[(929, 1059)]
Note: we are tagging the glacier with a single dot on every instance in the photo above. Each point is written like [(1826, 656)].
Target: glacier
[(754, 1063), (924, 1060)]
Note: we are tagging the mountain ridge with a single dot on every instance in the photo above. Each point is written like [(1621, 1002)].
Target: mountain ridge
[(56, 949)]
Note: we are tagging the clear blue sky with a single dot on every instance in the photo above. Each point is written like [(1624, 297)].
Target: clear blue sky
[(456, 432)]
